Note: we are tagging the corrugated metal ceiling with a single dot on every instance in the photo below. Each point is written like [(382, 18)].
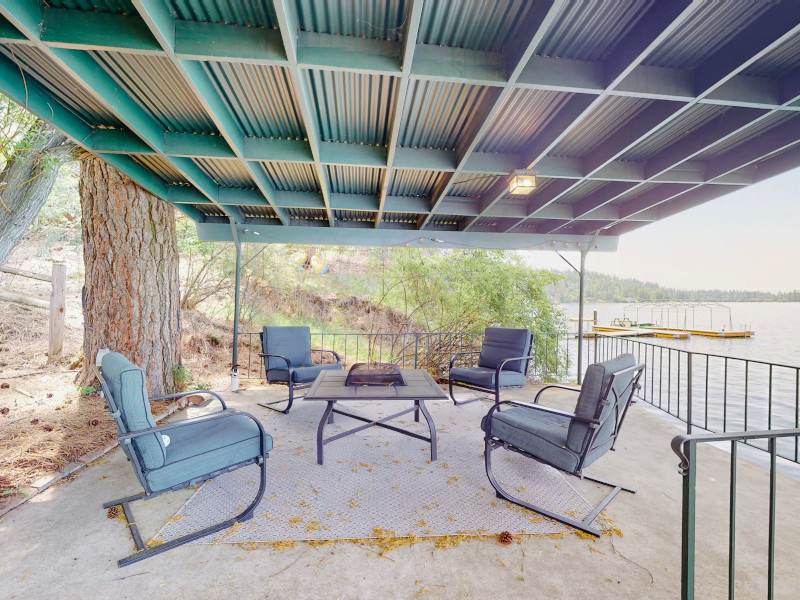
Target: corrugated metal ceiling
[(354, 180), (375, 19), (612, 114), (291, 177), (253, 13), (408, 182), (353, 107), (341, 100), (437, 113), (710, 27), (261, 98), (158, 87), (523, 114), (83, 104), (590, 30), (500, 21)]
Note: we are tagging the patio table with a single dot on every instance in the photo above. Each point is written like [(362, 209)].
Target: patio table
[(330, 387)]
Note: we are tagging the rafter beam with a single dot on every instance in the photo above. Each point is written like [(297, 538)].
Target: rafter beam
[(410, 32), (287, 24), (162, 26), (28, 17), (538, 21), (34, 97)]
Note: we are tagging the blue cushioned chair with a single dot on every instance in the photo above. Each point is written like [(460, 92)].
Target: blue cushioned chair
[(569, 442), (287, 360), (199, 448), (500, 364)]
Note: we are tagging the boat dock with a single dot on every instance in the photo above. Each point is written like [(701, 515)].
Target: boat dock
[(618, 331), (720, 333)]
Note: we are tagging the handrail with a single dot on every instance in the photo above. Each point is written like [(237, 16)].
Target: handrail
[(685, 447)]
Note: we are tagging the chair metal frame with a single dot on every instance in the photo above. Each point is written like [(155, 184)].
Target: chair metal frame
[(292, 385), (126, 441), (489, 390), (619, 413)]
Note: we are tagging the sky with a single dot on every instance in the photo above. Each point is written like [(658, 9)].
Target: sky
[(746, 240)]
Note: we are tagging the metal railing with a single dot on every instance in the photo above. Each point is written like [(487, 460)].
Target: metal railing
[(713, 392), (685, 446), (431, 351)]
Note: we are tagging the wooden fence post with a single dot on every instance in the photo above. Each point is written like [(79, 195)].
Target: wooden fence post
[(57, 309)]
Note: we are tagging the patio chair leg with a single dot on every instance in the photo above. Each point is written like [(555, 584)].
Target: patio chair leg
[(583, 525), (142, 552), (459, 402), (290, 399)]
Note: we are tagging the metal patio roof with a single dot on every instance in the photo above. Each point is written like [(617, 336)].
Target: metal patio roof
[(382, 122)]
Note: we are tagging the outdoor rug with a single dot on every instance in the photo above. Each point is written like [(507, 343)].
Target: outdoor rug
[(378, 481)]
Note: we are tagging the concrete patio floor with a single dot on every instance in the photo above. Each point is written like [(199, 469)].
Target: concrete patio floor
[(61, 545)]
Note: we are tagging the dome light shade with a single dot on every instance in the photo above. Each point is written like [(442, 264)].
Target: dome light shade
[(522, 183)]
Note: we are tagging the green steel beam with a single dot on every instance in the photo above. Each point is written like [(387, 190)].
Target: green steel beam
[(335, 153), (117, 141), (199, 41), (196, 145), (410, 33), (34, 97), (281, 150), (332, 52), (62, 28), (287, 24), (537, 22), (230, 43), (309, 233), (82, 68), (459, 65), (158, 19)]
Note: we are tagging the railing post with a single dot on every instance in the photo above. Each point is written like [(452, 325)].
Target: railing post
[(688, 391), (688, 521), (57, 307), (416, 349)]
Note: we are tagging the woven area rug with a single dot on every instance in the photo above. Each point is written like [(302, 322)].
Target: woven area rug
[(378, 479)]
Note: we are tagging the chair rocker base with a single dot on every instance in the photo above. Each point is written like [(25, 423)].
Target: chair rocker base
[(142, 552), (285, 410), (584, 525)]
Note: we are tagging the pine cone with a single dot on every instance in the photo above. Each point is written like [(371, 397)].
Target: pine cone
[(506, 537), (112, 512)]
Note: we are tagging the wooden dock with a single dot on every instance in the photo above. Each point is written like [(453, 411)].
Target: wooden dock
[(616, 331), (719, 333)]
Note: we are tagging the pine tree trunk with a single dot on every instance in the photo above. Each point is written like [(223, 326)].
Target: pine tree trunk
[(131, 294), (26, 182)]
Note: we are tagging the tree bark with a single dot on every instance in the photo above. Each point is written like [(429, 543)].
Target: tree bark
[(26, 182), (131, 294)]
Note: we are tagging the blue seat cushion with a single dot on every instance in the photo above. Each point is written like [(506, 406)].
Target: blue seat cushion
[(201, 448), (500, 343), (540, 434), (485, 377), (292, 342), (126, 384), (301, 374), (593, 389)]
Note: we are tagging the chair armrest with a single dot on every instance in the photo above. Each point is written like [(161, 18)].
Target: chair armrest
[(338, 358), (503, 364), (284, 358), (539, 407), (556, 386), (191, 393), (455, 356), (228, 412)]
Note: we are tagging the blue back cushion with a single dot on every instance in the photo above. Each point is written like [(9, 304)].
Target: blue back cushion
[(126, 382), (292, 342), (595, 384), (500, 343)]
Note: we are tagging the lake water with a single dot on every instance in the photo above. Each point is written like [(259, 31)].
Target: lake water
[(776, 326), (727, 395)]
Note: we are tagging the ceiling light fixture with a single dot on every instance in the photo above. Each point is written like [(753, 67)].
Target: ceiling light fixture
[(522, 182)]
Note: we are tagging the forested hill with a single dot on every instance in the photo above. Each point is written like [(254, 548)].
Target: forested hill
[(607, 288)]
